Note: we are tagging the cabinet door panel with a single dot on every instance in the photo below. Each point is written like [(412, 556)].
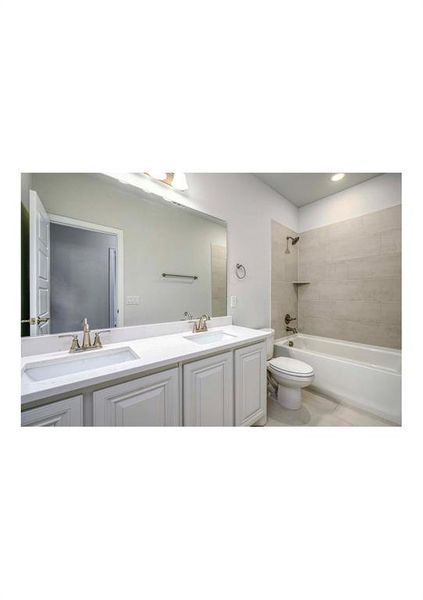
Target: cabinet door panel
[(64, 413), (250, 384), (208, 391), (152, 401)]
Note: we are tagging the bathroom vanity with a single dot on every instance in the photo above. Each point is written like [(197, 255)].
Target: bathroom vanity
[(215, 378), (139, 271)]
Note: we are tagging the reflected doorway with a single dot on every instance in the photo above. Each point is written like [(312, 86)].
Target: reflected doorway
[(83, 278)]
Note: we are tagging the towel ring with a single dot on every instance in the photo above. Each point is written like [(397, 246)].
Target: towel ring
[(241, 271)]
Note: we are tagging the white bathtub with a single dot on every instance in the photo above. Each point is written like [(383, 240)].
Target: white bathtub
[(368, 377)]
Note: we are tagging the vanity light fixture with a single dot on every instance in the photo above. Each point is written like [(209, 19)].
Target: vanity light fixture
[(338, 176), (146, 183), (159, 175), (177, 181)]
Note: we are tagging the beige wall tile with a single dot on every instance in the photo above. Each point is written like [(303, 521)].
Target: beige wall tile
[(278, 270), (383, 290), (319, 253), (323, 310), (391, 241), (284, 270), (390, 312), (351, 229), (320, 326), (357, 246), (376, 222), (388, 335), (308, 292), (358, 311), (291, 271), (314, 237), (355, 272), (355, 331), (337, 271), (284, 300), (341, 290), (375, 266), (313, 271)]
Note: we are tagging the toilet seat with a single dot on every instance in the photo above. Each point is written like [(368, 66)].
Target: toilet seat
[(291, 367)]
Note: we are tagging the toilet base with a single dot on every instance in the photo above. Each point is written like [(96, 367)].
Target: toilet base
[(289, 397)]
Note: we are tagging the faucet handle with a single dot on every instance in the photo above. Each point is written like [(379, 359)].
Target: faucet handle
[(97, 341), (288, 318), (74, 344)]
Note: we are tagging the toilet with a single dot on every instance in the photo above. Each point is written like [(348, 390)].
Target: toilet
[(290, 374)]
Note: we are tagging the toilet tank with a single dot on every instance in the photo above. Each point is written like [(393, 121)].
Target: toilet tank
[(269, 342)]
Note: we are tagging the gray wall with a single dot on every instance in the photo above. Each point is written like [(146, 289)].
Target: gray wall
[(79, 267), (354, 269), (284, 272), (158, 237)]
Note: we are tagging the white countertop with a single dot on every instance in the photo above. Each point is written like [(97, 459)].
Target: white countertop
[(153, 352)]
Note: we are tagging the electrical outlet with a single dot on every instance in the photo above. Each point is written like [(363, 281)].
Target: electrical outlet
[(132, 299), (233, 301)]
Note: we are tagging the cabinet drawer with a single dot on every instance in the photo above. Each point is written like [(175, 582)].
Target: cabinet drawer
[(152, 401), (64, 413)]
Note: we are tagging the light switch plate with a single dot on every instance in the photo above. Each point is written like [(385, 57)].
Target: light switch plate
[(132, 299), (233, 301)]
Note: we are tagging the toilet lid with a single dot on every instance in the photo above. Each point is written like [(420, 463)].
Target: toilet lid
[(291, 366)]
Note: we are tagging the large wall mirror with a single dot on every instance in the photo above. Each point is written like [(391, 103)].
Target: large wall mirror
[(97, 248)]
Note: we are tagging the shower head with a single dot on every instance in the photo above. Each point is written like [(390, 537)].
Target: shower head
[(294, 240)]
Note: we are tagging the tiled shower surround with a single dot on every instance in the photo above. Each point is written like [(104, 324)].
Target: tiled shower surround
[(354, 270), (284, 272)]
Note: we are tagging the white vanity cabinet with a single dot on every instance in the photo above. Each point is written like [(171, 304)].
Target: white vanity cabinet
[(223, 389), (208, 391), (64, 413), (250, 384), (152, 400)]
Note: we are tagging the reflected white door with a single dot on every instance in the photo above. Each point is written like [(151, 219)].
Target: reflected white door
[(39, 266)]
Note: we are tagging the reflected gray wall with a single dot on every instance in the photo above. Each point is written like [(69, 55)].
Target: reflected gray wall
[(79, 278)]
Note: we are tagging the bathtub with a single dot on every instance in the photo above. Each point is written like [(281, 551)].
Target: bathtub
[(367, 377)]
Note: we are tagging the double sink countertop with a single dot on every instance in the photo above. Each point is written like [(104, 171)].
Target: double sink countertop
[(47, 375)]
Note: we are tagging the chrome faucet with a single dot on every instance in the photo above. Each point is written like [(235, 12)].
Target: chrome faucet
[(201, 325)]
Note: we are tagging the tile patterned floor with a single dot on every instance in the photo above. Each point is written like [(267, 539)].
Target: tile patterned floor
[(319, 411)]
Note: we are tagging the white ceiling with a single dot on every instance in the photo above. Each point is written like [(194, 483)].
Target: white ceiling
[(304, 188)]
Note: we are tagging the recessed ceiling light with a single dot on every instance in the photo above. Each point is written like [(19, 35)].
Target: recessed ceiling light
[(337, 176)]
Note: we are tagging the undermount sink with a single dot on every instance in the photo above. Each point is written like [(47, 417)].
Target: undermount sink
[(86, 361), (210, 337)]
